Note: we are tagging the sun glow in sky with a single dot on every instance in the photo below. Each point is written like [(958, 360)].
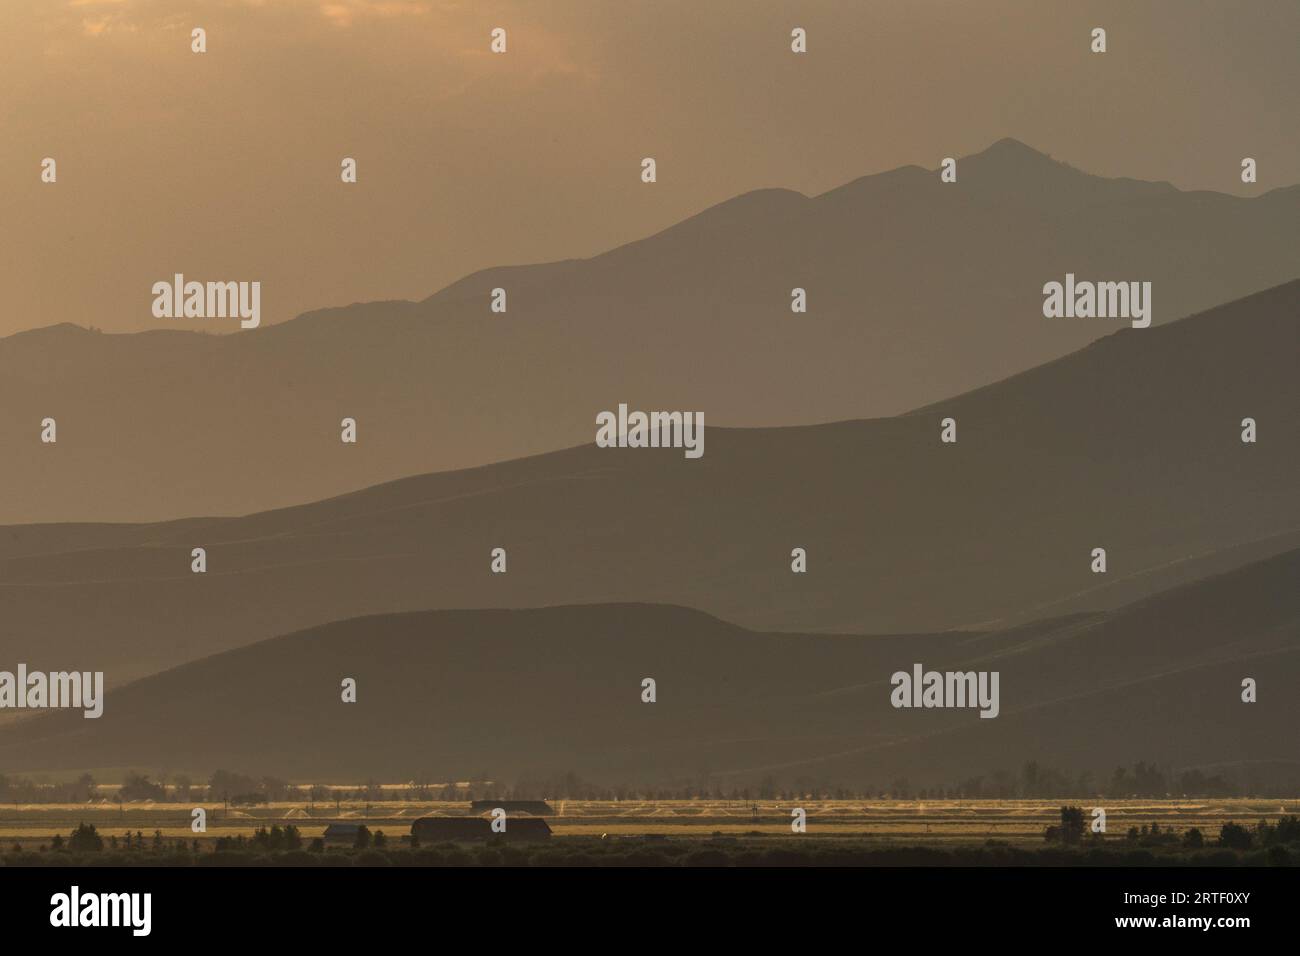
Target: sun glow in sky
[(227, 163)]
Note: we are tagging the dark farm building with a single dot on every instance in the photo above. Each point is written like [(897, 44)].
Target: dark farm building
[(341, 833), (431, 830)]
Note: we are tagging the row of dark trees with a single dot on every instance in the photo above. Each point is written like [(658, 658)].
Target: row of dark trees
[(1073, 830), (86, 839), (1142, 779), (1281, 840), (1032, 781), (224, 785)]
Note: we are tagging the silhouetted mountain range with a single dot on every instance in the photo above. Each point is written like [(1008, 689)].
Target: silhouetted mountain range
[(1131, 444), (917, 290), (448, 694)]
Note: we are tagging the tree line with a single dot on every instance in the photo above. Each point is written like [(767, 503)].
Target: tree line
[(1033, 780)]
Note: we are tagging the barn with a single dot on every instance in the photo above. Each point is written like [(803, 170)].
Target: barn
[(431, 830), (341, 833)]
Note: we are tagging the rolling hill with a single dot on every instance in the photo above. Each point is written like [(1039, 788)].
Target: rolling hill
[(1131, 444), (504, 694), (917, 290)]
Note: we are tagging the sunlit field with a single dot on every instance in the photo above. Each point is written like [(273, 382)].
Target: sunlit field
[(940, 822)]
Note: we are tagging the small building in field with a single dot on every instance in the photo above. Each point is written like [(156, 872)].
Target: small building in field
[(341, 833), (534, 808), (433, 830)]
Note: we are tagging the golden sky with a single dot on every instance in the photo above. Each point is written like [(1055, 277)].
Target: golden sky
[(225, 165)]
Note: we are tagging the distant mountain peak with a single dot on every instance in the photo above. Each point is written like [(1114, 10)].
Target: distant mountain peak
[(1009, 152), (1010, 146)]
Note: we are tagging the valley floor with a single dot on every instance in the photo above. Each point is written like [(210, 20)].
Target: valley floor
[(861, 831)]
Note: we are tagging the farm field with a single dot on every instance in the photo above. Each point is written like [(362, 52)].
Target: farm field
[(886, 822)]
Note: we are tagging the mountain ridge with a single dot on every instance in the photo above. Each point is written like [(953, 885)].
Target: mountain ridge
[(1006, 147), (1133, 445), (549, 690)]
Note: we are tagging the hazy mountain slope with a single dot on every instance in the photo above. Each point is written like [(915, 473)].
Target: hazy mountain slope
[(506, 693), (1132, 444), (917, 290)]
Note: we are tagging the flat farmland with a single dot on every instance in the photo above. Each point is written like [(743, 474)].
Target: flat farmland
[(887, 822)]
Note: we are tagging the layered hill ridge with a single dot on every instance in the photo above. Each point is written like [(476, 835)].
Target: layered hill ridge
[(917, 290), (1132, 444), (509, 694)]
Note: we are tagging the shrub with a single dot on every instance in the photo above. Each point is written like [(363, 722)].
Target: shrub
[(84, 839), (1072, 825), (1234, 836)]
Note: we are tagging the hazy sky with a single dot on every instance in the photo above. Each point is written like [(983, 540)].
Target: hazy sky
[(225, 165)]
